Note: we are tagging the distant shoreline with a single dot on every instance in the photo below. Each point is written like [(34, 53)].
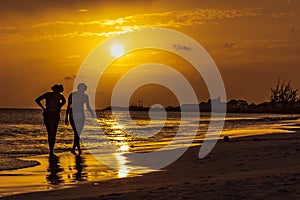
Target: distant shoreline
[(177, 109)]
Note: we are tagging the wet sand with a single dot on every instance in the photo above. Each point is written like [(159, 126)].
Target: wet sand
[(60, 171), (264, 166)]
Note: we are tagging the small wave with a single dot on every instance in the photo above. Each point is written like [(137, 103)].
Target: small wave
[(245, 120)]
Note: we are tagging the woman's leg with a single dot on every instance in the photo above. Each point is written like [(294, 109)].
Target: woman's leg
[(56, 118), (51, 120)]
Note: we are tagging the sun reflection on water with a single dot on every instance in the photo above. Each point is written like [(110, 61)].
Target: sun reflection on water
[(124, 147), (117, 126), (123, 168)]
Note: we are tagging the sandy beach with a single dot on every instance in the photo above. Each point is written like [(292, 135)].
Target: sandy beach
[(257, 167)]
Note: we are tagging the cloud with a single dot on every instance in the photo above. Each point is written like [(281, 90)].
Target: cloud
[(54, 30), (82, 10), (181, 47), (35, 7), (282, 15), (237, 48), (69, 78), (73, 56), (188, 17)]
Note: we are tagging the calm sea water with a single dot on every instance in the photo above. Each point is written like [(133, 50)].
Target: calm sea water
[(22, 132)]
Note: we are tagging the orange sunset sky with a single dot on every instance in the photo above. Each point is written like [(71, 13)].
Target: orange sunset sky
[(253, 42)]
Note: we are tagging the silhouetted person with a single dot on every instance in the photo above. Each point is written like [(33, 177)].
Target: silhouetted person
[(75, 112), (51, 112)]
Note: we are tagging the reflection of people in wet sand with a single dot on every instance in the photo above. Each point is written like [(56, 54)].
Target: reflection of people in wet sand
[(51, 112), (79, 167), (54, 169), (75, 112)]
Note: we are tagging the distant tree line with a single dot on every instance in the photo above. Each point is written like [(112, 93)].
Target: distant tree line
[(283, 99)]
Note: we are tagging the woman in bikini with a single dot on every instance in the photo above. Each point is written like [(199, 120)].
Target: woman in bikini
[(51, 112)]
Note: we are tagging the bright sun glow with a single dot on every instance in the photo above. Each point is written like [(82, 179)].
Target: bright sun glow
[(116, 50)]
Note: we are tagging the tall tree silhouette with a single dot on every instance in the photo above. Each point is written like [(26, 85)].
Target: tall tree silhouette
[(284, 93)]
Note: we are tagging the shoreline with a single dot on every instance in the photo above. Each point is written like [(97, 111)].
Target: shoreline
[(242, 154), (278, 111), (33, 163)]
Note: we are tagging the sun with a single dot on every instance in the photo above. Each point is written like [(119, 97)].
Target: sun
[(116, 50)]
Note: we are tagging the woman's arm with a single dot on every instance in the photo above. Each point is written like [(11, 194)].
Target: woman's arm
[(39, 99), (63, 101)]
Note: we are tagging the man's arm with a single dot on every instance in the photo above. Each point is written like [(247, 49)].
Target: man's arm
[(87, 103), (68, 109)]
